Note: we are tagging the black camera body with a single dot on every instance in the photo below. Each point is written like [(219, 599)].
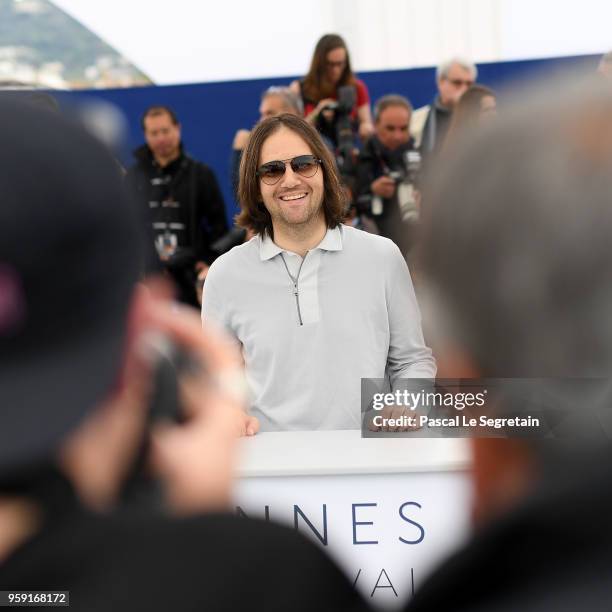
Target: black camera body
[(412, 166), (405, 177), (398, 176), (343, 128)]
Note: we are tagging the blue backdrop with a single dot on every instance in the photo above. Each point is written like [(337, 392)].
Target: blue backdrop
[(210, 113)]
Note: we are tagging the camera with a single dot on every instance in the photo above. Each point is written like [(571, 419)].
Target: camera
[(345, 139), (409, 173), (341, 129), (405, 178), (406, 190), (228, 241), (396, 175), (412, 166)]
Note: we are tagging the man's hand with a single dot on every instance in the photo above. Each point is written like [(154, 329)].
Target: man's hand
[(383, 186)]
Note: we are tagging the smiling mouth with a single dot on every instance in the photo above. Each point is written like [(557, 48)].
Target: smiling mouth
[(293, 196)]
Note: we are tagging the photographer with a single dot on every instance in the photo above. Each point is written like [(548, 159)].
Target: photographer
[(386, 171), (75, 391), (182, 198), (330, 70)]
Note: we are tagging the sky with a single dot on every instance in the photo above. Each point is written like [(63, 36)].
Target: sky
[(190, 41)]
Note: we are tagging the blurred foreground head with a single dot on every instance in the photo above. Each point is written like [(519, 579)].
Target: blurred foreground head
[(518, 241), (70, 255), (517, 250), (518, 247)]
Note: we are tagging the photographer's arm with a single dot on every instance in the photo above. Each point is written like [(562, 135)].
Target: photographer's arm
[(366, 125)]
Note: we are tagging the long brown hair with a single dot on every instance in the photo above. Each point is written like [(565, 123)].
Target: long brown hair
[(253, 213), (316, 86)]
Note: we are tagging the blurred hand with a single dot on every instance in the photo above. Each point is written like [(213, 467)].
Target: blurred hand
[(241, 139), (195, 460), (383, 186)]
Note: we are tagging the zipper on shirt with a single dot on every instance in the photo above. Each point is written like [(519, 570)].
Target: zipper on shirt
[(296, 290)]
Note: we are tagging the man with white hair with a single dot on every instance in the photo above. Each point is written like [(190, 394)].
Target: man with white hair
[(430, 123)]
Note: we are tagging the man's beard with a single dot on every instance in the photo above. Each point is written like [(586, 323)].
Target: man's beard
[(309, 218)]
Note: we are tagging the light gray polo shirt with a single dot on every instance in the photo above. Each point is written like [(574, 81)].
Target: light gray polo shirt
[(355, 316)]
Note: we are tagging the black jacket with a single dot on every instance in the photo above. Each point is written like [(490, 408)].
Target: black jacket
[(435, 129), (199, 202), (374, 161)]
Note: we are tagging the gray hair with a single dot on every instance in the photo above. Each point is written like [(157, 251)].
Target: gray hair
[(517, 243), (390, 100), (444, 68), (291, 101)]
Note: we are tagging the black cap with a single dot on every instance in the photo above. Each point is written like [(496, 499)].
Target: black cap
[(70, 255)]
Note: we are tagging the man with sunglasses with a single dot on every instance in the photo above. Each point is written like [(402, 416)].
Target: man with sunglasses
[(316, 305), (430, 123)]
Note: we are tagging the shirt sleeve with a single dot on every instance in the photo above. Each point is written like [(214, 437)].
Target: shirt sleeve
[(408, 355), (216, 303)]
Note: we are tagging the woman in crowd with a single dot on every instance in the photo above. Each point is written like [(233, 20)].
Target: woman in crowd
[(330, 69)]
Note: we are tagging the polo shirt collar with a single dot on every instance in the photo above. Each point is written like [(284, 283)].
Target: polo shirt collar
[(332, 241)]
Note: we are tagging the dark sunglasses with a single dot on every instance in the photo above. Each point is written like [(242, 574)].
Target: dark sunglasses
[(304, 165)]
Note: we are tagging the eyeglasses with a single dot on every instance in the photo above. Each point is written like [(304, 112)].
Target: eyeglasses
[(460, 82), (273, 171)]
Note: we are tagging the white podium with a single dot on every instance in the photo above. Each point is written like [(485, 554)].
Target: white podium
[(387, 510)]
